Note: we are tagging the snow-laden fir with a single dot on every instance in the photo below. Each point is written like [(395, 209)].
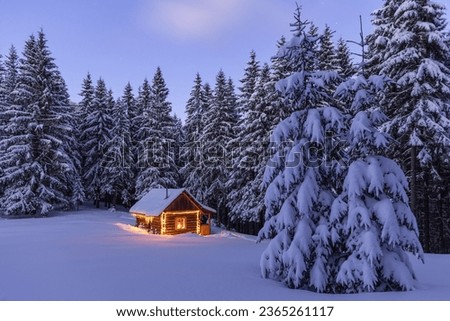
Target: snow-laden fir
[(340, 221)]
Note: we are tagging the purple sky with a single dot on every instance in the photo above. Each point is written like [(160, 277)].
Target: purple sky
[(123, 41)]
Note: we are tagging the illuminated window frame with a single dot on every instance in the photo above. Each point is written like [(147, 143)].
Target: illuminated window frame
[(180, 223)]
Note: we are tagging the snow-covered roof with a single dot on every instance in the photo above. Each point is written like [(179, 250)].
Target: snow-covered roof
[(158, 199)]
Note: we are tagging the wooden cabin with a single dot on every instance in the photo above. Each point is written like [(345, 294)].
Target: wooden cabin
[(172, 211)]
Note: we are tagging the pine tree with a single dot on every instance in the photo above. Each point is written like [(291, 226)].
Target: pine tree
[(280, 70), (415, 59), (39, 170), (301, 176), (117, 164), (78, 195), (246, 202), (96, 137), (158, 167), (312, 62), (232, 101), (326, 50), (248, 82), (85, 109), (380, 38), (220, 120), (372, 225), (179, 137), (343, 61), (140, 114), (241, 173), (140, 129), (2, 109), (8, 82), (87, 93), (192, 150)]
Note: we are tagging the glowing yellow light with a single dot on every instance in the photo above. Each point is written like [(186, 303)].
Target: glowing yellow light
[(180, 223)]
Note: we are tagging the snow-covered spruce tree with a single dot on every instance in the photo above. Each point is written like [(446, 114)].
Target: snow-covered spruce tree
[(8, 82), (118, 161), (279, 65), (157, 167), (302, 184), (247, 203), (179, 138), (2, 108), (96, 136), (232, 102), (279, 70), (85, 108), (192, 149), (417, 105), (78, 195), (39, 170), (9, 72), (326, 53), (139, 117), (15, 147), (220, 121), (379, 39), (241, 171), (248, 83), (342, 60), (372, 225), (312, 62)]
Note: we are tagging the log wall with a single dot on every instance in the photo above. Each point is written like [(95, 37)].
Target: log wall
[(191, 223)]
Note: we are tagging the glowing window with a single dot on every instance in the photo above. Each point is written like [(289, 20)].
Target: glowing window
[(180, 223)]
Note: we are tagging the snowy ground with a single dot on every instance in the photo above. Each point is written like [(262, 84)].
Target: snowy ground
[(98, 255)]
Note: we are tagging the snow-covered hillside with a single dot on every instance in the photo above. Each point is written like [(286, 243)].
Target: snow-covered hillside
[(99, 255)]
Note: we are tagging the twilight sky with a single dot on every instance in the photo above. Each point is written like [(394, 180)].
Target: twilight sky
[(125, 40)]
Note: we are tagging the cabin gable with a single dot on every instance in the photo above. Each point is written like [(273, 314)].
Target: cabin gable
[(181, 204)]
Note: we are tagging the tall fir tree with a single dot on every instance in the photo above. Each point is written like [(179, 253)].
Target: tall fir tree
[(240, 174), (246, 202), (179, 138), (96, 136), (379, 39), (140, 129), (415, 57), (312, 62), (343, 61), (372, 225), (279, 70), (220, 121), (2, 109), (301, 176), (158, 167), (8, 81), (326, 52), (192, 150), (85, 109), (118, 163), (248, 82), (39, 169)]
